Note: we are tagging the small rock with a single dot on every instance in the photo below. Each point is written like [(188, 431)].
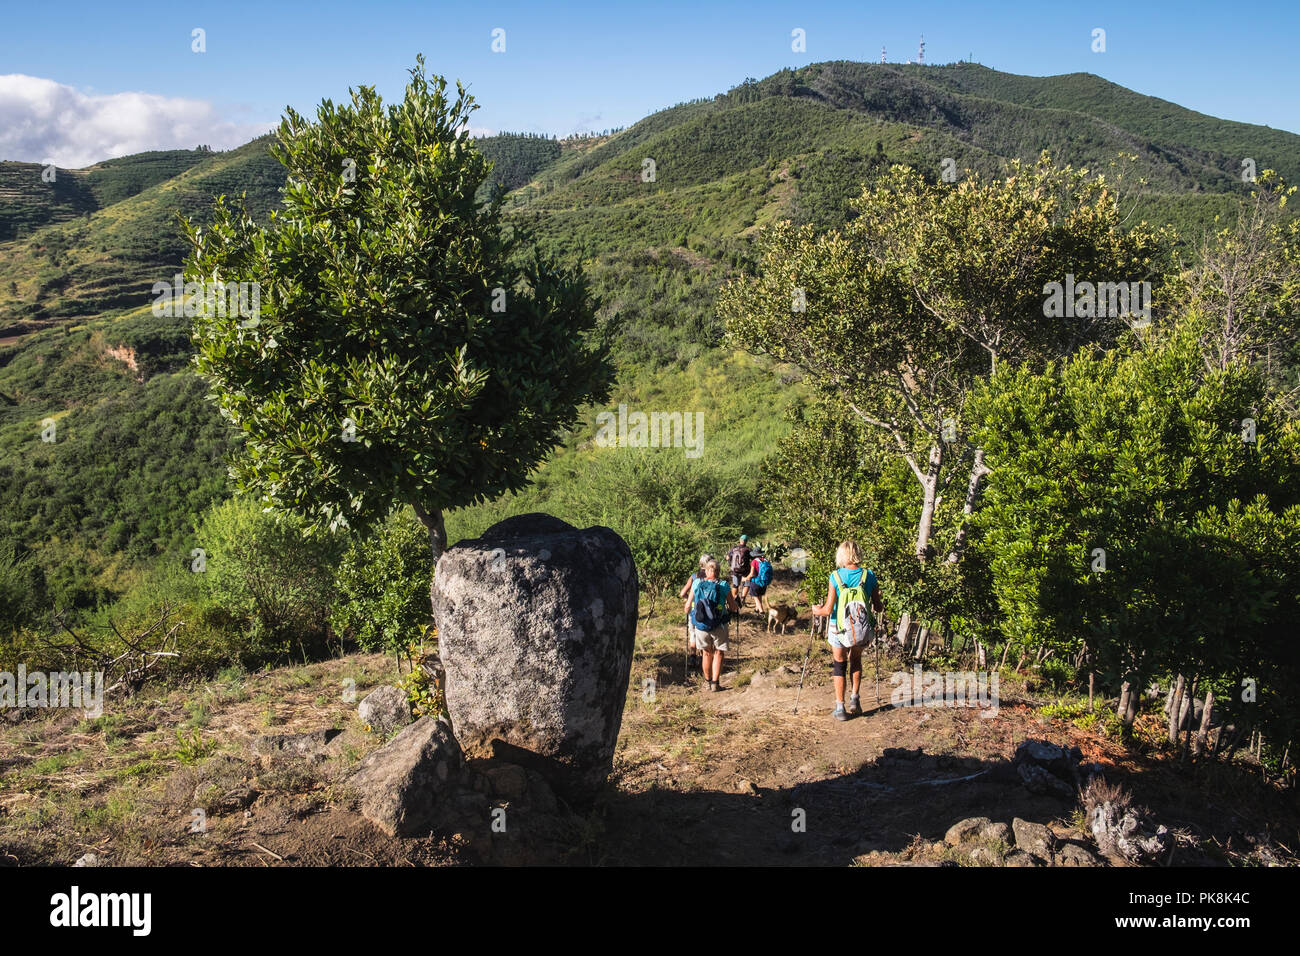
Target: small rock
[(90, 859), (984, 856), (385, 709), (966, 830), (1033, 838), (1021, 858), (996, 833), (507, 781), (309, 746), (1045, 768), (237, 798), (747, 786), (1041, 781), (1072, 854), (406, 784)]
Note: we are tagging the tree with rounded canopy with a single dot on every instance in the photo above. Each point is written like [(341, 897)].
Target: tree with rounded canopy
[(407, 349)]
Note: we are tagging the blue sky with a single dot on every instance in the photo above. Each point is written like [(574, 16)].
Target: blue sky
[(580, 65)]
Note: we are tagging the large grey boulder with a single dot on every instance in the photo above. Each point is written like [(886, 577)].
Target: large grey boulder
[(536, 624), (412, 783)]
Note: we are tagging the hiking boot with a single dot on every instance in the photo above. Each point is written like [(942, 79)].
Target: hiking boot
[(855, 706), (839, 711)]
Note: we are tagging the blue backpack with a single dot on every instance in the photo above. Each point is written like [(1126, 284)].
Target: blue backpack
[(764, 576), (710, 604)]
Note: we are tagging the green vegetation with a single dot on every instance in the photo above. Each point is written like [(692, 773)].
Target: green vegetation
[(1110, 473), (516, 158), (273, 579), (101, 524), (417, 357), (382, 585)]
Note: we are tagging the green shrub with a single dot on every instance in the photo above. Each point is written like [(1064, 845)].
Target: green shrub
[(382, 585), (269, 578)]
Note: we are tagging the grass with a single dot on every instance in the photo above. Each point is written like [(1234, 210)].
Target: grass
[(55, 762), (150, 766), (199, 711)]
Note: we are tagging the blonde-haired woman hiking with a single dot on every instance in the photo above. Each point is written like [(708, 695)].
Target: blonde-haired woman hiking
[(851, 589)]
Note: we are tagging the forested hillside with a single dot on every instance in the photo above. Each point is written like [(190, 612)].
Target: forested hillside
[(658, 215)]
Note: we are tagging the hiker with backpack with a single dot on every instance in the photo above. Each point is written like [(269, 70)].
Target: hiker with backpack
[(760, 576), (738, 559), (849, 622), (710, 607), (691, 651)]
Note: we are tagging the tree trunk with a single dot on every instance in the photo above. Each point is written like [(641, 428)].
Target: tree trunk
[(1130, 699), (981, 661), (432, 521), (1176, 709), (1005, 651), (904, 626), (1203, 732), (922, 641), (930, 486), (1134, 704), (1092, 682), (977, 473)]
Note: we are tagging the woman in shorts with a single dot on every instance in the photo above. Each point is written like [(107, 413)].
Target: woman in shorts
[(691, 650), (847, 642), (711, 627)]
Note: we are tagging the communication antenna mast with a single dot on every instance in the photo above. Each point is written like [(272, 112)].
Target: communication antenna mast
[(882, 54), (920, 53)]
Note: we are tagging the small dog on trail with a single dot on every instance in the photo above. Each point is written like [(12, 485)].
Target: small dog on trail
[(782, 616)]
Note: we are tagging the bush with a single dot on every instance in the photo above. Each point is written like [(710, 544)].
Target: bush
[(665, 551), (276, 581), (382, 585)]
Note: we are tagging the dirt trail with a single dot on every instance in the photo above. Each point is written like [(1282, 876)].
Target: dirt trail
[(734, 777)]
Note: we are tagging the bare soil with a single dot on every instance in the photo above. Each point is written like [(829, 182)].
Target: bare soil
[(737, 777)]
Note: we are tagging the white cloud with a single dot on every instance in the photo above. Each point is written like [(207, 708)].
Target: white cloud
[(45, 121)]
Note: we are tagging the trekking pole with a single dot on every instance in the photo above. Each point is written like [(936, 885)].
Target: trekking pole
[(740, 624), (878, 665), (812, 636)]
